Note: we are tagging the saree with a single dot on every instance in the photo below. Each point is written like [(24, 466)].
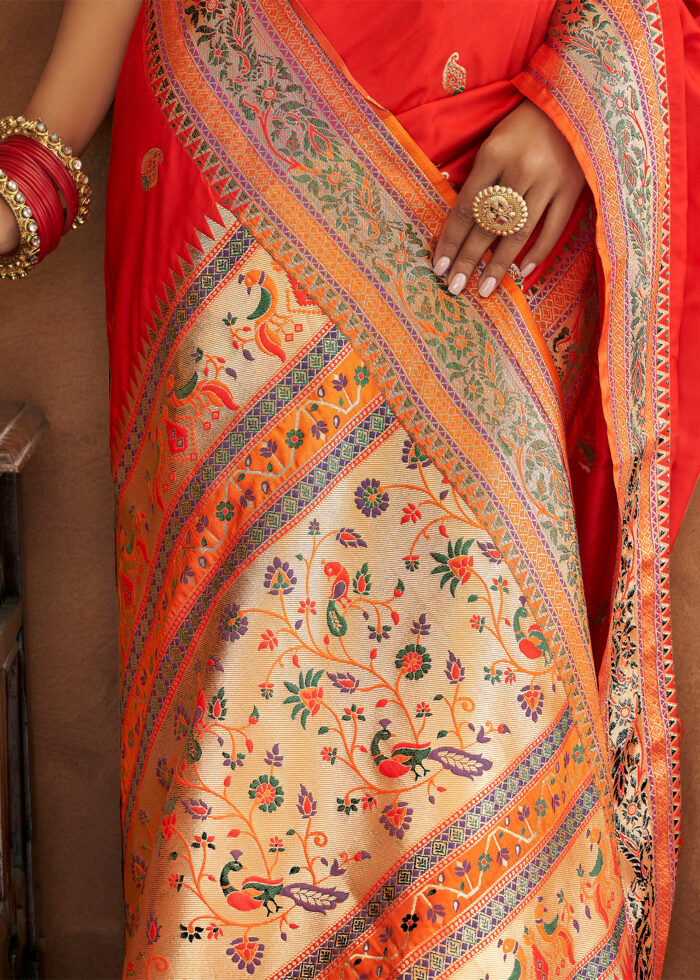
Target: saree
[(363, 733)]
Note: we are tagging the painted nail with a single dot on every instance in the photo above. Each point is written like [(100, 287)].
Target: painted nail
[(458, 284), (487, 286), (441, 266), (527, 269)]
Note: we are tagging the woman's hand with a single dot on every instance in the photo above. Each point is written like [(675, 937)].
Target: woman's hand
[(527, 152), (9, 232)]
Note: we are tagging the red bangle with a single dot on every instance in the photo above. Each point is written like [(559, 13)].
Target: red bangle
[(45, 187), (41, 196), (48, 161)]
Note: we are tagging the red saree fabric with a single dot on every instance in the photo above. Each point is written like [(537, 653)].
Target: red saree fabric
[(442, 68)]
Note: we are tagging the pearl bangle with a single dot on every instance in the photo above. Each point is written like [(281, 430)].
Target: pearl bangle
[(20, 262)]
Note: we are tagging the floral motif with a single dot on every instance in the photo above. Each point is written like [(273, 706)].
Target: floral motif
[(531, 700), (279, 577), (246, 954), (396, 818), (370, 498), (233, 625), (267, 793), (414, 661)]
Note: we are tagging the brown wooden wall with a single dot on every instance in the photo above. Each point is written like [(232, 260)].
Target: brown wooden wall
[(53, 353)]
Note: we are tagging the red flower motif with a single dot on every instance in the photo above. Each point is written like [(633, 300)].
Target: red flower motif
[(410, 513), (461, 567), (269, 641), (312, 698), (167, 825)]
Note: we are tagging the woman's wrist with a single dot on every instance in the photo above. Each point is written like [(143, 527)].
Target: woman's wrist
[(9, 229)]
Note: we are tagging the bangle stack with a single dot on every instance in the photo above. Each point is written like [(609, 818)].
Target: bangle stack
[(45, 186)]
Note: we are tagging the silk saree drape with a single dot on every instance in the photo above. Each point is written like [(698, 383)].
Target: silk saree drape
[(362, 730)]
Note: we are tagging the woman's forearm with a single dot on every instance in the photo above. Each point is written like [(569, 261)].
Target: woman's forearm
[(78, 83)]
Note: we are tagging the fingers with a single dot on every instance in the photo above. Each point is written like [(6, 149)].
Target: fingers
[(460, 220), (556, 220), (510, 246), (476, 241)]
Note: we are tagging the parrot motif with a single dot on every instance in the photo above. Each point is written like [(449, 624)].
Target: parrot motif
[(266, 317), (257, 891), (533, 645)]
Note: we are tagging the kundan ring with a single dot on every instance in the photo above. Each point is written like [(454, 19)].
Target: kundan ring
[(499, 210)]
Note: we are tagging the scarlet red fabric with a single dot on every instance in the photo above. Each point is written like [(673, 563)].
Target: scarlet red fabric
[(686, 454), (398, 51), (138, 121)]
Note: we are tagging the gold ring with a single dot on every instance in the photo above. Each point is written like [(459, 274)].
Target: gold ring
[(499, 210)]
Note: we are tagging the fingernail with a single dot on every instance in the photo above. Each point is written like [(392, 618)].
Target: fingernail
[(458, 284), (441, 266), (487, 286), (527, 269)]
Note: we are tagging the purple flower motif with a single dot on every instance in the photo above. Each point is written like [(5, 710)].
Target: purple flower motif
[(502, 856), (273, 757), (412, 455), (197, 808), (232, 625), (523, 813), (349, 538), (344, 682), (187, 575), (340, 382), (370, 499), (455, 670), (164, 772), (201, 524), (314, 527), (463, 868), (246, 954), (421, 626), (231, 762), (247, 497), (385, 935), (396, 818), (319, 428), (490, 551), (279, 577), (556, 802), (269, 449), (531, 700), (306, 804), (435, 912), (379, 633), (138, 870)]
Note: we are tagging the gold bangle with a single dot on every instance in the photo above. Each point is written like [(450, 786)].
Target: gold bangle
[(17, 264), (38, 131)]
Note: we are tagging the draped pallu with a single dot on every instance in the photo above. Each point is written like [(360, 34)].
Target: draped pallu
[(363, 734)]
